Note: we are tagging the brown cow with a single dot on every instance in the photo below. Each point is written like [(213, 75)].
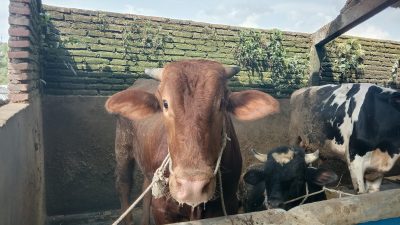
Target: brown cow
[(185, 115)]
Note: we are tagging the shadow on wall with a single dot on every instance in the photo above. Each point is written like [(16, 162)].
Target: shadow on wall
[(78, 133)]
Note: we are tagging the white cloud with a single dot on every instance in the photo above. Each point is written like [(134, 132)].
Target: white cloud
[(234, 13), (369, 31), (251, 21), (140, 11)]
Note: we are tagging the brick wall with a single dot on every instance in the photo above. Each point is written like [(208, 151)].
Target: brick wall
[(85, 51), (24, 45), (380, 55), (94, 63)]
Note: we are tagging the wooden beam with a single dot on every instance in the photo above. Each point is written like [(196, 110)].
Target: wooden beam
[(348, 19)]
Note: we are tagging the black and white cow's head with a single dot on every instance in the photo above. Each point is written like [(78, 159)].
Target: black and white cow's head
[(285, 174)]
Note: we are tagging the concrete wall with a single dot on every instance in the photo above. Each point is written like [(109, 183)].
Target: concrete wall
[(79, 150), (21, 165)]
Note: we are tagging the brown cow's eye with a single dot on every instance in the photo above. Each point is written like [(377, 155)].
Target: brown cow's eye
[(165, 104)]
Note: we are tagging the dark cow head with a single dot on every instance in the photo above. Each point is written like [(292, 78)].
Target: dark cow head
[(194, 102), (285, 174)]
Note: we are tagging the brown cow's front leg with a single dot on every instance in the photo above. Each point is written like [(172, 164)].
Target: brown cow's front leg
[(123, 185), (146, 203)]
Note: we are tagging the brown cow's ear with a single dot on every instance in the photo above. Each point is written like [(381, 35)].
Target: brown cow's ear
[(252, 105), (133, 104)]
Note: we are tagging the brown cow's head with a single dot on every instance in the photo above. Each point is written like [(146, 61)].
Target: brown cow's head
[(194, 101)]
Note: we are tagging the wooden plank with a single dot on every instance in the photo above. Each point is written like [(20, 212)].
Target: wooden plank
[(350, 18)]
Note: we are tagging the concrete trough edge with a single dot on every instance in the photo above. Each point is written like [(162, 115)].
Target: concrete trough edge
[(348, 210)]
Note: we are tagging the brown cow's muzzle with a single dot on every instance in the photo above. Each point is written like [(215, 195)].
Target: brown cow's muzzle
[(192, 188)]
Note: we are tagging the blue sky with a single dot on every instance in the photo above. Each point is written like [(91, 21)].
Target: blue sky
[(289, 15)]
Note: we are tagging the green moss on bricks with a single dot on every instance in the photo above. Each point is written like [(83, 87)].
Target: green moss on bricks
[(75, 46), (85, 92), (227, 50), (118, 62), (182, 34), (169, 45), (230, 38), (71, 86), (136, 69), (120, 86), (196, 54), (95, 33), (97, 61), (200, 36), (226, 61), (81, 53), (87, 26), (99, 86), (110, 55), (226, 32), (185, 46), (107, 93), (173, 27), (112, 68), (69, 31), (56, 15), (111, 81), (174, 52), (193, 29), (57, 23), (231, 44), (146, 64), (195, 41), (78, 18), (107, 48), (78, 59), (109, 41), (206, 48)]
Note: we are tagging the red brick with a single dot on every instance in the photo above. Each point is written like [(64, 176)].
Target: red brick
[(19, 44), (25, 75), (19, 8), (19, 55), (19, 66), (20, 97), (19, 87), (19, 77), (19, 32), (19, 20)]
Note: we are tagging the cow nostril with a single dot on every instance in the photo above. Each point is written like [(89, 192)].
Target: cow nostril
[(178, 183)]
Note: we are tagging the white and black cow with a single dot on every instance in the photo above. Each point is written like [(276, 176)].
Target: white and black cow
[(357, 123), (283, 177)]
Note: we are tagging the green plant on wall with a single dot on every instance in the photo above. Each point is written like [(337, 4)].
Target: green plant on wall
[(3, 63), (251, 53), (395, 70), (102, 22), (349, 60), (151, 41), (287, 72)]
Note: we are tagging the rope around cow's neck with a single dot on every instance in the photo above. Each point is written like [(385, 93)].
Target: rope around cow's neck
[(158, 181), (317, 192)]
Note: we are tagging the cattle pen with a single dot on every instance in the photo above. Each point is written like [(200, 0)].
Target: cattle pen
[(57, 159)]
